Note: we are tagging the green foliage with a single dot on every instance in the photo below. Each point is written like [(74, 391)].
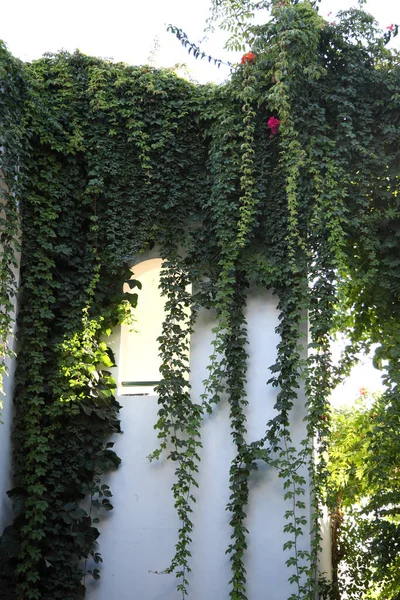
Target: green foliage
[(12, 151), (364, 499), (193, 48), (105, 160)]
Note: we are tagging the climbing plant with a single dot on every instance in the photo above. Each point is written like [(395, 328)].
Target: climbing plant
[(363, 499), (11, 184), (285, 178)]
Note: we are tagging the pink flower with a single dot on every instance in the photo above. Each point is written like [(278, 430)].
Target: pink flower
[(273, 124), (390, 27), (363, 391)]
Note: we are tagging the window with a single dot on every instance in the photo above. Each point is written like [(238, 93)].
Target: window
[(139, 355)]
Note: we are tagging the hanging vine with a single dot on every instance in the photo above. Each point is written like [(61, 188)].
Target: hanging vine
[(12, 153)]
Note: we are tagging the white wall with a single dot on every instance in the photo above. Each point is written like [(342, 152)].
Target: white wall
[(138, 537), (6, 414), (6, 417), (6, 515)]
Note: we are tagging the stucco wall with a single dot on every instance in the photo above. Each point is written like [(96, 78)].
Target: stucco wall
[(6, 416), (138, 537)]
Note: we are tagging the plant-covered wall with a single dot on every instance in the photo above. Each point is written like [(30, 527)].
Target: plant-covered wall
[(286, 178)]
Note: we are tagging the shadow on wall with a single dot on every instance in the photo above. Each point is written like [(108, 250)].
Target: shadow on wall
[(137, 540)]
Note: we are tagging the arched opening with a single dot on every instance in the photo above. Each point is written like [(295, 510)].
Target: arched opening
[(139, 360)]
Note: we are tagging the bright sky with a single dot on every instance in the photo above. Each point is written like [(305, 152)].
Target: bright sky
[(128, 30)]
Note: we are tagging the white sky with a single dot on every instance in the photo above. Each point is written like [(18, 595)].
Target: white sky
[(125, 30), (363, 375)]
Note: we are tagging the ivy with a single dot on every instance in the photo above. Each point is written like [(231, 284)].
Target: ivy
[(12, 152), (100, 162)]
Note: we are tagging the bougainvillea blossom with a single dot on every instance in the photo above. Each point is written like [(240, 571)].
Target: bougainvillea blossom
[(390, 27), (249, 57), (273, 124)]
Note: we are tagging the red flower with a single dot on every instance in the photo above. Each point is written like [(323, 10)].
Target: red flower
[(390, 27), (273, 124), (249, 57), (363, 391)]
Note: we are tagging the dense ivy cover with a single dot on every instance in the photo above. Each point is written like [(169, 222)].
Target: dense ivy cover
[(286, 178)]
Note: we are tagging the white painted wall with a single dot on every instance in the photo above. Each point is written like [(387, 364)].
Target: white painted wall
[(6, 417), (6, 515), (138, 537)]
